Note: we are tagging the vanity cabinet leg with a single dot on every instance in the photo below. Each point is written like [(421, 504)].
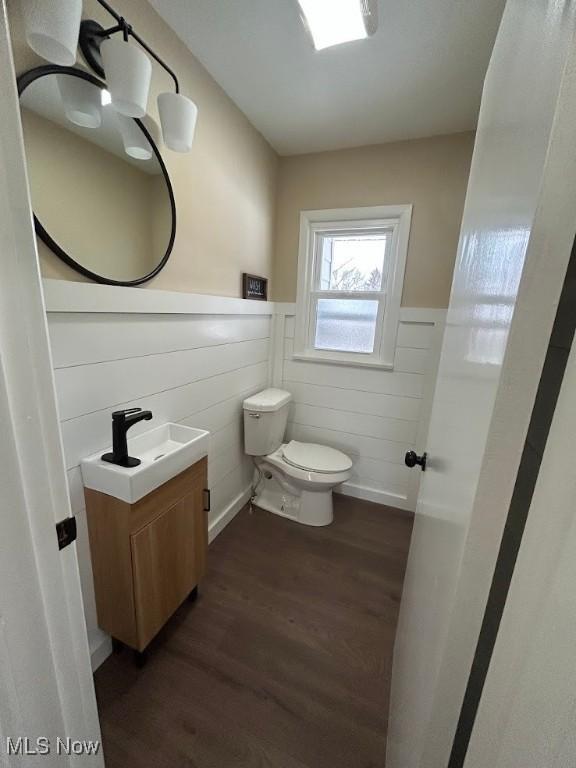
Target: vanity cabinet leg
[(140, 658), (117, 645)]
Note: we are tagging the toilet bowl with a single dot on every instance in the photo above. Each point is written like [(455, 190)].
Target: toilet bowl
[(292, 479)]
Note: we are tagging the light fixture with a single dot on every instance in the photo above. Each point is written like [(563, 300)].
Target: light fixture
[(128, 71), (332, 22), (82, 101), (128, 75), (178, 120), (54, 29), (51, 28), (135, 142), (105, 97)]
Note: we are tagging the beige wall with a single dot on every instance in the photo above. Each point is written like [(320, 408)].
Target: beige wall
[(432, 174), (224, 188)]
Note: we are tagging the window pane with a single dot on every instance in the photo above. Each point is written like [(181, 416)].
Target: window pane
[(346, 325), (352, 262)]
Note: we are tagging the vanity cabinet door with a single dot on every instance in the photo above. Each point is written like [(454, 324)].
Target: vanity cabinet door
[(168, 560)]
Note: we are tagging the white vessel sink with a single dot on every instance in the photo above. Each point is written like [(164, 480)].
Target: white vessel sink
[(164, 452)]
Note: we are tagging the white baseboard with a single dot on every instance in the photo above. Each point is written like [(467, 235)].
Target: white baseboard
[(377, 496), (102, 648), (229, 513)]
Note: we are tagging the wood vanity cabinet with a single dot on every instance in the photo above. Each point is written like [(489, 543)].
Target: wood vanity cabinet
[(148, 556)]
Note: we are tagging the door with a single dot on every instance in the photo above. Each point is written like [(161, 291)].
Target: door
[(517, 231), (46, 689), (168, 560), (526, 713)]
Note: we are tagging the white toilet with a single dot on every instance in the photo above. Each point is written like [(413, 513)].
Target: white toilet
[(294, 479)]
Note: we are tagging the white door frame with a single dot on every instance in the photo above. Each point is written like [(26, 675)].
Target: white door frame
[(29, 414)]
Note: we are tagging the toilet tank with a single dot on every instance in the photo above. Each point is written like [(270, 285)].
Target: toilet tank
[(265, 419)]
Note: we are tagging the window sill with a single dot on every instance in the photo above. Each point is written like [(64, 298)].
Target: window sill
[(378, 364)]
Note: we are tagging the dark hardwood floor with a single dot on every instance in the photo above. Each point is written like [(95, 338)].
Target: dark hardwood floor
[(283, 661)]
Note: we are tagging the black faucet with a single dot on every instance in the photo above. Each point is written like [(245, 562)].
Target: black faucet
[(121, 423)]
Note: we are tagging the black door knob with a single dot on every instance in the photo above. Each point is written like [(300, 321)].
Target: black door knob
[(412, 458)]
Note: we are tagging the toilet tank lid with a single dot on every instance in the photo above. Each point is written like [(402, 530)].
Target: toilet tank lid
[(267, 400)]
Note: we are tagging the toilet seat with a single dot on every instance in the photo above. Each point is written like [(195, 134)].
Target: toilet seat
[(315, 458), (303, 478)]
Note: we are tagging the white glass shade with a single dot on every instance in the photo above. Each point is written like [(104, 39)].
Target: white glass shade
[(178, 120), (135, 143), (82, 101), (128, 71), (52, 27)]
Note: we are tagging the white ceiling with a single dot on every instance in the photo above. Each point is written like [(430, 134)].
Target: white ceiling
[(420, 75)]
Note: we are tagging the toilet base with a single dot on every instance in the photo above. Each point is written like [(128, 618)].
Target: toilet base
[(306, 507)]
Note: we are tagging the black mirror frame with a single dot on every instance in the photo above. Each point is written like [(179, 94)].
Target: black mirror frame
[(23, 81)]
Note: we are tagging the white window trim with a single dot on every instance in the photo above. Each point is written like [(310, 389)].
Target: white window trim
[(395, 217)]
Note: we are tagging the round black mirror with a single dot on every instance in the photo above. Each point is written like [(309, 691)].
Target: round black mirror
[(101, 194)]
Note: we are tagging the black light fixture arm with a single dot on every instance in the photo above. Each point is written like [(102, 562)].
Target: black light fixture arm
[(128, 31)]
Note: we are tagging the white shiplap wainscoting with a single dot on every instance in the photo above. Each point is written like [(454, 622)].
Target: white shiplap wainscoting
[(193, 359), (373, 415), (189, 359)]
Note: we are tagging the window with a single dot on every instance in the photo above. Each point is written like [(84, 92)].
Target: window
[(350, 276)]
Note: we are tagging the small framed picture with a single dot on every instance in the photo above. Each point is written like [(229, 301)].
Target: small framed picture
[(254, 287)]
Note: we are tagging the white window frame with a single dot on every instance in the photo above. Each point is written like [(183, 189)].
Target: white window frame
[(395, 218)]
